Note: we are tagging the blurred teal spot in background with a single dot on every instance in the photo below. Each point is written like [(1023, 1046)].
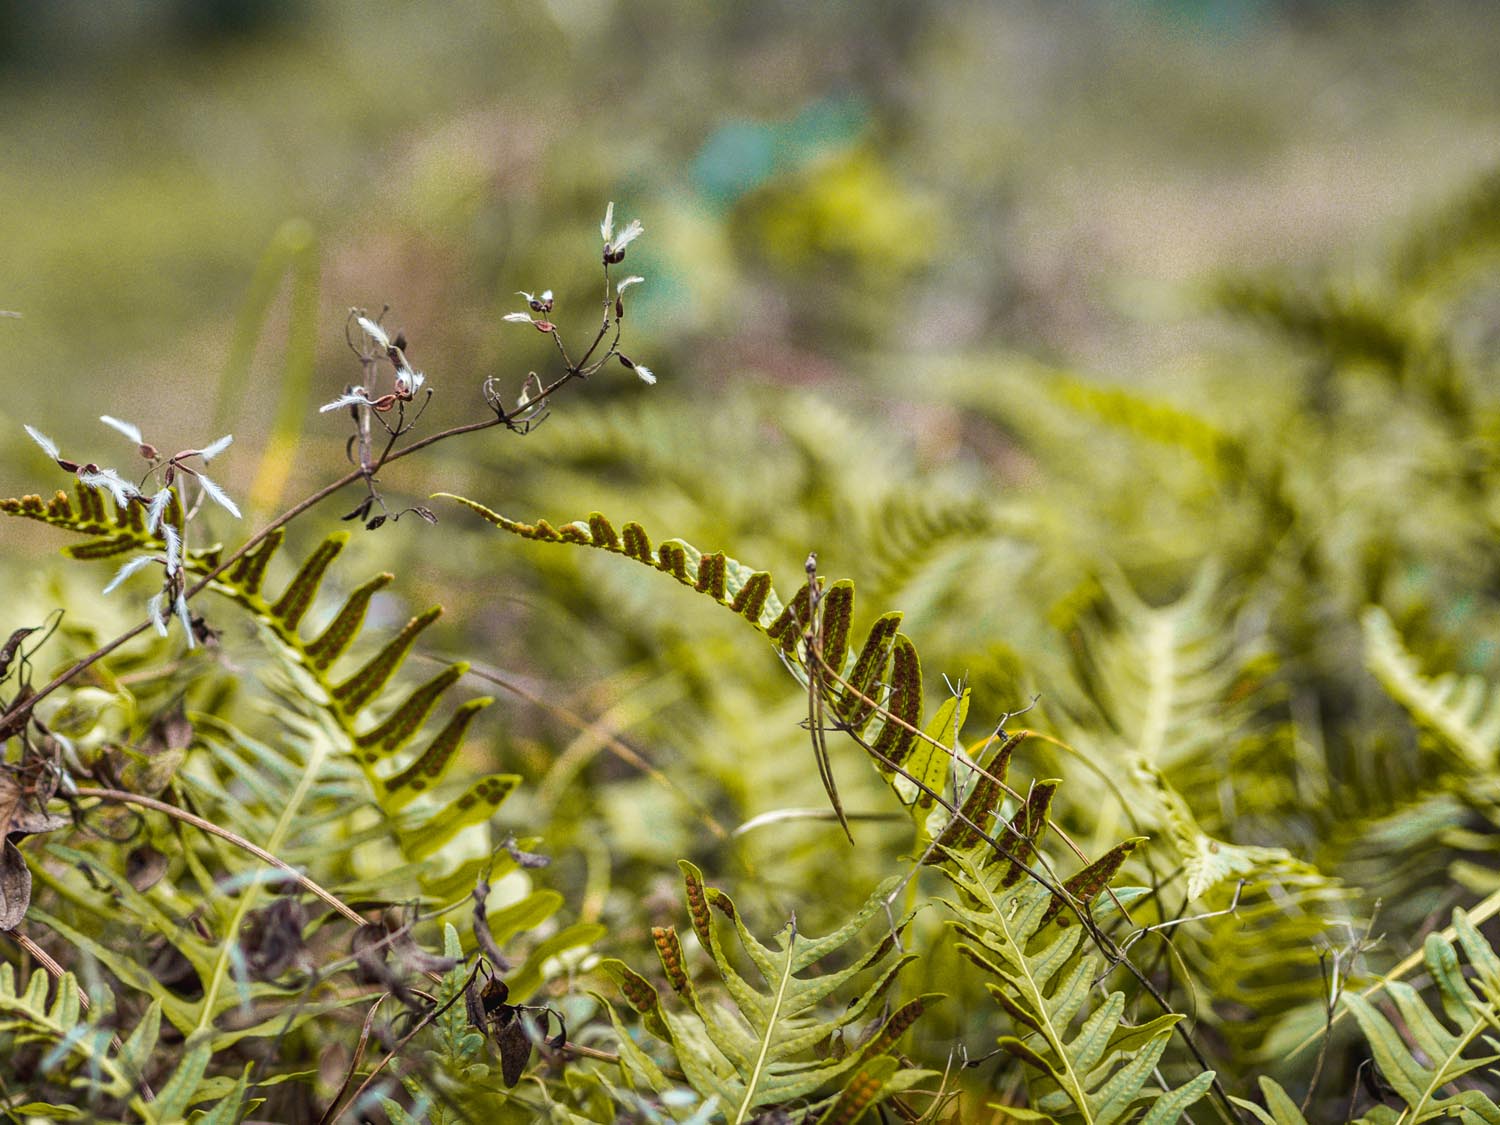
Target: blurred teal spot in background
[(741, 156)]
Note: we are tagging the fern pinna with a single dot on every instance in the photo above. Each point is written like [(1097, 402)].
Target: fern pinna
[(86, 1068), (1096, 1069)]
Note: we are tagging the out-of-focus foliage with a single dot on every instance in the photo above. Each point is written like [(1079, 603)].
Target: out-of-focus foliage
[(1228, 568)]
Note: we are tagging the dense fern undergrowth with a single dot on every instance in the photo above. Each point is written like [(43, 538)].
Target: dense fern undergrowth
[(1150, 776)]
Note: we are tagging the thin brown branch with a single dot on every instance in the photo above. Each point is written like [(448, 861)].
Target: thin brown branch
[(224, 834)]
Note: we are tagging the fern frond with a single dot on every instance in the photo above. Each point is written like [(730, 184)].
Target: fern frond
[(909, 531), (756, 1046), (1357, 329), (1161, 681), (82, 1057), (1440, 251), (1424, 1061), (1463, 711), (347, 700), (116, 529), (1096, 1070), (880, 697), (1218, 452), (1268, 919)]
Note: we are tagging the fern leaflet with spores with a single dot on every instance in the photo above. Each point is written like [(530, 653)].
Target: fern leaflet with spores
[(874, 691)]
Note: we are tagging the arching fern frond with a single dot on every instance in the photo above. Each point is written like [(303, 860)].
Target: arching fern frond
[(350, 699), (878, 692), (768, 1045), (116, 529)]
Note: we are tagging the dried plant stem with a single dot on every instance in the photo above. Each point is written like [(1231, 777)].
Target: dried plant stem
[(224, 834)]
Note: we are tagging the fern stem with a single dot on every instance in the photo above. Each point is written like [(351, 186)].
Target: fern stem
[(752, 1081)]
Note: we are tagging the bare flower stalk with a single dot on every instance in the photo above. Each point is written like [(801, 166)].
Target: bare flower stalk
[(530, 411)]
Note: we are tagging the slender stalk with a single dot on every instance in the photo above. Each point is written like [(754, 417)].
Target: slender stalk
[(19, 712), (224, 834)]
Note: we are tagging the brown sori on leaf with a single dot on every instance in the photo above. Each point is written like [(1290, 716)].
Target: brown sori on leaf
[(669, 949), (1086, 886), (299, 593), (903, 705), (637, 544), (341, 631), (697, 900), (711, 576), (358, 689), (895, 1027), (1026, 829), (838, 613), (788, 626), (722, 903), (853, 1101), (856, 705), (403, 722), (104, 548), (250, 571), (751, 599), (962, 832), (672, 559), (603, 533), (427, 769)]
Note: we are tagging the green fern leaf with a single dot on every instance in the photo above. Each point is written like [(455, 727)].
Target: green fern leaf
[(345, 700), (1097, 1072), (1463, 710), (1262, 960), (759, 1051), (1428, 1058), (1279, 1108), (882, 697), (79, 1052), (1153, 420)]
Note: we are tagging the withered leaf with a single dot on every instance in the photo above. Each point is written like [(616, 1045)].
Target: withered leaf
[(414, 958), (273, 938), (149, 768), (12, 646), (523, 857), (15, 886), (515, 1050), (145, 866), (20, 816), (482, 933)]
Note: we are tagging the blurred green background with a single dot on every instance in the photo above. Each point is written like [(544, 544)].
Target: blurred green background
[(841, 202), (818, 182)]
